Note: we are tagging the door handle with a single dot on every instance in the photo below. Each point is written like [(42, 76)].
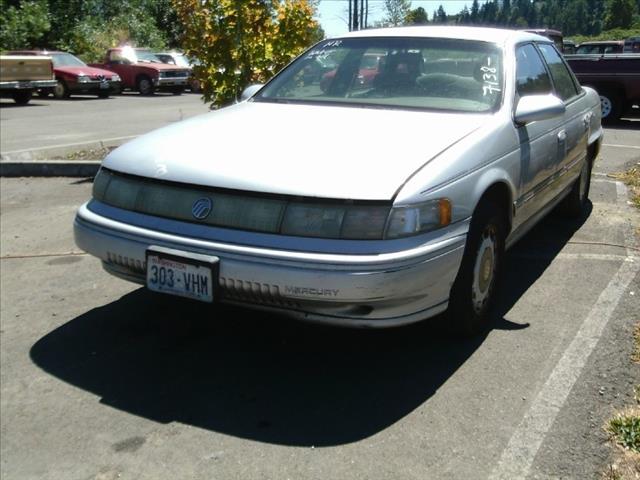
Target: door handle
[(562, 136)]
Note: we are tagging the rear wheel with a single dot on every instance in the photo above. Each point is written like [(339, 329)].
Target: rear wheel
[(574, 204), (22, 97), (474, 290), (61, 90), (610, 104)]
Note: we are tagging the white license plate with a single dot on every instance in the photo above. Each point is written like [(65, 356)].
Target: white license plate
[(183, 274)]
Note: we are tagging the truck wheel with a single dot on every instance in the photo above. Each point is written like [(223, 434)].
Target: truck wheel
[(144, 85), (22, 97), (610, 104), (474, 290), (61, 90)]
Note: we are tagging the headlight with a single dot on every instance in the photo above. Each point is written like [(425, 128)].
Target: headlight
[(83, 79), (115, 78), (413, 219)]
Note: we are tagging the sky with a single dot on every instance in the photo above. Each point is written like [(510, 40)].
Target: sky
[(333, 14)]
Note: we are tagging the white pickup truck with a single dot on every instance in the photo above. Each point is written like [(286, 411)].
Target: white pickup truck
[(20, 76)]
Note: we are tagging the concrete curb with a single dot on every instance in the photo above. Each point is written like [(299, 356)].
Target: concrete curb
[(69, 168), (50, 161)]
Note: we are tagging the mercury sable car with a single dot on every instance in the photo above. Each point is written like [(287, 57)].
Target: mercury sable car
[(373, 204)]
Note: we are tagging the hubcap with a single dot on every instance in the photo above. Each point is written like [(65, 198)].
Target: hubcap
[(484, 270), (605, 106)]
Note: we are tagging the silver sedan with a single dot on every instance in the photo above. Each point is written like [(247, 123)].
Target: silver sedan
[(375, 181)]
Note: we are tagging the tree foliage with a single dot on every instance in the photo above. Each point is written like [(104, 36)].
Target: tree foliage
[(396, 12), (23, 25), (240, 42), (417, 16)]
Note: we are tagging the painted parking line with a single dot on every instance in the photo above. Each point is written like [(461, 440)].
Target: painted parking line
[(517, 458), (620, 146)]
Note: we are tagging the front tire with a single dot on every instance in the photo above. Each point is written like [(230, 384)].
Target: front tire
[(145, 86), (61, 90), (474, 290)]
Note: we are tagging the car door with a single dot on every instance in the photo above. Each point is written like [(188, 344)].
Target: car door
[(541, 142), (573, 135)]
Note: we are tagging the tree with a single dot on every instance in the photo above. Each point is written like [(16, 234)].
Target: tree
[(417, 16), (240, 42), (619, 14), (440, 15), (23, 25), (475, 12), (397, 11)]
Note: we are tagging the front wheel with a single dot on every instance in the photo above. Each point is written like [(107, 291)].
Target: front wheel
[(474, 290), (145, 87)]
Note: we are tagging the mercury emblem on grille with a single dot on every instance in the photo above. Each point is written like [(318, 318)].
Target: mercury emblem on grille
[(201, 208)]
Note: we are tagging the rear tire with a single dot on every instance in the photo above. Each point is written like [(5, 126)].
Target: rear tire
[(22, 97), (474, 290), (611, 106), (61, 90), (574, 204)]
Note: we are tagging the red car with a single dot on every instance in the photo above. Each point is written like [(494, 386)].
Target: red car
[(141, 70), (76, 77)]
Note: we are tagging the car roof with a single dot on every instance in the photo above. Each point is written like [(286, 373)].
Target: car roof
[(483, 34)]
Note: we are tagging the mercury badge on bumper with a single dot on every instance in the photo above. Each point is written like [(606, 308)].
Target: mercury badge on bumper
[(374, 204)]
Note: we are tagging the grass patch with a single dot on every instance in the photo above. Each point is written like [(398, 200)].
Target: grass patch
[(90, 154), (625, 429), (632, 178)]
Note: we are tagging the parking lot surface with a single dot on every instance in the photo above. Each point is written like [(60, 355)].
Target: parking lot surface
[(101, 379), (54, 123)]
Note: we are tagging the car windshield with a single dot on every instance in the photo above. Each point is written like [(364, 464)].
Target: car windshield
[(422, 73), (66, 60), (145, 56)]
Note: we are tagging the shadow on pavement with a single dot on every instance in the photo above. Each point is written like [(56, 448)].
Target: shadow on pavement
[(265, 378)]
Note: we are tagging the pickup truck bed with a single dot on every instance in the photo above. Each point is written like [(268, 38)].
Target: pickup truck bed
[(21, 75)]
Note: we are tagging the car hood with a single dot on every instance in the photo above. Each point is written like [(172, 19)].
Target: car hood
[(161, 66), (90, 71), (311, 151)]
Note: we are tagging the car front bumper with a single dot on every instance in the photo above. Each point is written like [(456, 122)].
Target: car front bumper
[(380, 290), (95, 86), (165, 82)]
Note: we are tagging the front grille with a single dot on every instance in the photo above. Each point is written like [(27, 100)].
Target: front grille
[(174, 74), (254, 292)]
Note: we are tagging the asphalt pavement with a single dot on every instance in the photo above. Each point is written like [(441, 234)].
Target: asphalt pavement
[(102, 380), (51, 125)]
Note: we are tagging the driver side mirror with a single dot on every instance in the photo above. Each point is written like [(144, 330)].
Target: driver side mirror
[(533, 108)]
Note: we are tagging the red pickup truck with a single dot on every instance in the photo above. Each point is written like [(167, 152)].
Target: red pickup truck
[(141, 70), (616, 77)]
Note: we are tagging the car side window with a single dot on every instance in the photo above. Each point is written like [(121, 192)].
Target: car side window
[(531, 75), (562, 79)]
